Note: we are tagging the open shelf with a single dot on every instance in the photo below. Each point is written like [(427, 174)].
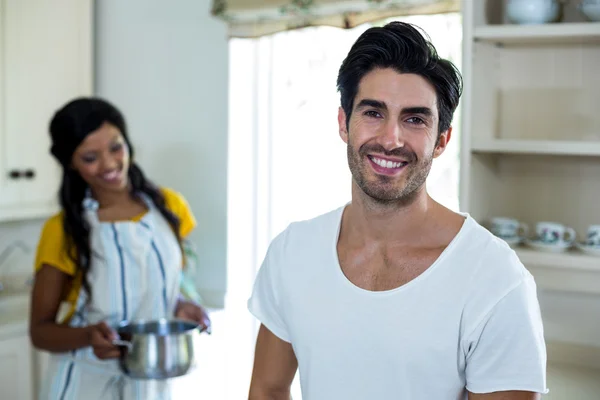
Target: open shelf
[(572, 259), (531, 151), (553, 33), (571, 271), (547, 147), (535, 188), (581, 355)]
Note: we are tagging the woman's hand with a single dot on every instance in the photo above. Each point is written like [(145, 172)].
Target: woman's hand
[(101, 337), (191, 311)]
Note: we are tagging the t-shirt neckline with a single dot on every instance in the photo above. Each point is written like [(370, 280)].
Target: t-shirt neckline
[(453, 243)]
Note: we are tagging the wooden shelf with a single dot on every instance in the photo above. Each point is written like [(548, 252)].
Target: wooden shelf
[(546, 147), (572, 260), (565, 353), (532, 152), (572, 271), (554, 33)]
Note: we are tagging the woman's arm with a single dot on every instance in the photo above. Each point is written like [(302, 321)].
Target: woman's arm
[(47, 335)]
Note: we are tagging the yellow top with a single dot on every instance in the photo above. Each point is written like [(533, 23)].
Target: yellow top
[(52, 251)]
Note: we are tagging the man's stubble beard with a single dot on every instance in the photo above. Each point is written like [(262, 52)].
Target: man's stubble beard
[(383, 191)]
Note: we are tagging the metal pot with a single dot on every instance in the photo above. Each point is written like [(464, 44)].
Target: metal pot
[(159, 349)]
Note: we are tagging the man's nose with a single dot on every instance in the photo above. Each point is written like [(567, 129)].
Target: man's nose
[(391, 137)]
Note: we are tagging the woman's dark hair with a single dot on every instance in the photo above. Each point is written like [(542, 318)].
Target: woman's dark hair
[(400, 46), (68, 128)]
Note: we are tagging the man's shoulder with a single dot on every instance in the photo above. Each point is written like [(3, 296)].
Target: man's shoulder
[(487, 247), (488, 270), (492, 264), (307, 233), (328, 220)]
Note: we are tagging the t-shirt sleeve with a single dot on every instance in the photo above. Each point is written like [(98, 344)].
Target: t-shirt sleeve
[(179, 206), (265, 301), (506, 351), (51, 248)]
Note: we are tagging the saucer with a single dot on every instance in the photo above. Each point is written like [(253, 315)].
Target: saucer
[(512, 241), (552, 248), (587, 249)]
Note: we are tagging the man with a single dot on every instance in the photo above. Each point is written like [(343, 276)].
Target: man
[(394, 296)]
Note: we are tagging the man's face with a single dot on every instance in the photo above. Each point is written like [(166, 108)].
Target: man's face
[(392, 134)]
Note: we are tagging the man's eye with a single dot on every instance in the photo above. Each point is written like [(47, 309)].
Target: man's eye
[(415, 120), (372, 113)]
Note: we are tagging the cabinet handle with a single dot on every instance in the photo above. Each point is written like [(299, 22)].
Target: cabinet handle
[(16, 174)]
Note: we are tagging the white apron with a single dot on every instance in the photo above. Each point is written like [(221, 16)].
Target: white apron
[(135, 274)]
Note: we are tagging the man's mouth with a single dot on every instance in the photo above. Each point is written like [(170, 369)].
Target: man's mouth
[(388, 164), (387, 167)]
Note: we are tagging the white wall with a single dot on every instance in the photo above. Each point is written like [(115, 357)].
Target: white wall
[(165, 64)]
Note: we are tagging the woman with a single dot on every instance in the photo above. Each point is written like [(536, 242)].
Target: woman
[(113, 253)]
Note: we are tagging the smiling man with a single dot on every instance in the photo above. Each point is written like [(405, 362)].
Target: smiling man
[(394, 296)]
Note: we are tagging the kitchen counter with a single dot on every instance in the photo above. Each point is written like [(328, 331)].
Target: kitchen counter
[(19, 362), (14, 314)]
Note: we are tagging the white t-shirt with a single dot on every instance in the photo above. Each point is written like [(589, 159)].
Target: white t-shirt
[(471, 320)]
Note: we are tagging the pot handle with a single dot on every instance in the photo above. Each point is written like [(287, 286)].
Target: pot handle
[(206, 329), (123, 343)]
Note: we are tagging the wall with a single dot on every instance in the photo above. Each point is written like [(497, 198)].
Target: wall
[(19, 261), (165, 64)]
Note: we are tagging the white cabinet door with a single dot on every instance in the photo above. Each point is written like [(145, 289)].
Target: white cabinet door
[(16, 377), (46, 61), (9, 188)]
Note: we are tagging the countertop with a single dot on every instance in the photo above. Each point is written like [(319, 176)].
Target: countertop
[(14, 315)]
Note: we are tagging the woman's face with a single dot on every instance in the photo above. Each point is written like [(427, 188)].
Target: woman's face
[(102, 159)]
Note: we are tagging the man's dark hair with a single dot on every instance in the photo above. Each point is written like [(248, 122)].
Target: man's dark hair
[(400, 46)]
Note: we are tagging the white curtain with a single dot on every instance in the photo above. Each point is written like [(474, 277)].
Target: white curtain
[(254, 18)]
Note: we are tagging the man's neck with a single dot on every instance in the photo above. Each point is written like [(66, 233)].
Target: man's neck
[(397, 222)]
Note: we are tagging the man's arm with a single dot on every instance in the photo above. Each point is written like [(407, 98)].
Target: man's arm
[(510, 395), (275, 365), (506, 352)]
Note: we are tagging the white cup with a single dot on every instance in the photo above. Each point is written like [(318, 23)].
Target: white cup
[(508, 228), (554, 233), (590, 9), (532, 11), (593, 236)]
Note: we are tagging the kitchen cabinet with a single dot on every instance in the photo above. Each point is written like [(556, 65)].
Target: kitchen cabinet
[(22, 367), (531, 132), (530, 148), (16, 374), (45, 61)]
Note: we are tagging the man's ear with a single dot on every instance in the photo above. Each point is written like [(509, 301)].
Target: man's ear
[(343, 129), (442, 143)]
